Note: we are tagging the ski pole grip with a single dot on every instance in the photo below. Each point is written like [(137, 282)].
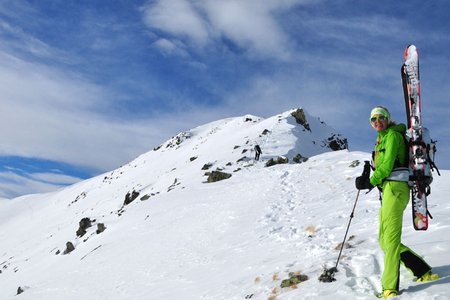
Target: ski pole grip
[(366, 171)]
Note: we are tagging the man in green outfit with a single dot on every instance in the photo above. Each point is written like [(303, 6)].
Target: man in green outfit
[(392, 180)]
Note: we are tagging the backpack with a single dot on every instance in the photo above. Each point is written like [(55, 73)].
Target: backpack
[(406, 171), (421, 178)]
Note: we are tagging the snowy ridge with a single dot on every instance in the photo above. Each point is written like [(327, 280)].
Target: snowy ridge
[(183, 238)]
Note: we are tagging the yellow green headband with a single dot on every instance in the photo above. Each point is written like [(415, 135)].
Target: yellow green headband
[(379, 110)]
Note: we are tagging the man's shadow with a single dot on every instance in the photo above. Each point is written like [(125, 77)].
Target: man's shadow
[(444, 278)]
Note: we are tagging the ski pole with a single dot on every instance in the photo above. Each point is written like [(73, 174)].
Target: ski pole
[(328, 274), (366, 172), (348, 226)]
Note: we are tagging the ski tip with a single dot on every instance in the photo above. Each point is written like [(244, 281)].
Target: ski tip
[(410, 51), (405, 54)]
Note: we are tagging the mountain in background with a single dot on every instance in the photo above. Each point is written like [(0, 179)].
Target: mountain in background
[(199, 218)]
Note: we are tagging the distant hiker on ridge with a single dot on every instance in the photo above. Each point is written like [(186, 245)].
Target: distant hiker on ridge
[(257, 152), (388, 158)]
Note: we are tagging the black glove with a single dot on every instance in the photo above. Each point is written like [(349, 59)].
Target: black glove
[(363, 183)]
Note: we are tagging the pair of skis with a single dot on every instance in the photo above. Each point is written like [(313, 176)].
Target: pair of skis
[(419, 142)]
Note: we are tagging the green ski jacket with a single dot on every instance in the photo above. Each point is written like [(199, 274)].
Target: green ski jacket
[(389, 153)]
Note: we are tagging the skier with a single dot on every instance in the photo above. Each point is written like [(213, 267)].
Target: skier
[(257, 152), (388, 157)]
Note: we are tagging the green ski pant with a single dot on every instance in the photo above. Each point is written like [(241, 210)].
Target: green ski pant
[(394, 201)]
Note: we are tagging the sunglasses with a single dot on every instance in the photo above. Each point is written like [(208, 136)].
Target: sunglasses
[(378, 118)]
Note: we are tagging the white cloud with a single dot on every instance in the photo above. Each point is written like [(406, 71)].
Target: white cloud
[(13, 185), (48, 114), (14, 38), (177, 17), (54, 178), (170, 47), (354, 32), (165, 45), (252, 24)]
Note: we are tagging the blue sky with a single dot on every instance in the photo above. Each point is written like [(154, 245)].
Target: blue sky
[(86, 86)]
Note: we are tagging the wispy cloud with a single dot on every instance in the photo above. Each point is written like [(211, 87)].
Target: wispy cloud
[(13, 184), (171, 47), (251, 25), (363, 27), (177, 17), (49, 113), (54, 178), (16, 40)]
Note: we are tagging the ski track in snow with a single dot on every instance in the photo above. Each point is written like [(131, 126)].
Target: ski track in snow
[(291, 215)]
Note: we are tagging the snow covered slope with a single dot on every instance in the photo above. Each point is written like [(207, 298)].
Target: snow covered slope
[(179, 237)]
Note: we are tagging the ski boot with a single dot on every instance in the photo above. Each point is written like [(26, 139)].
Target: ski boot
[(428, 276), (387, 294)]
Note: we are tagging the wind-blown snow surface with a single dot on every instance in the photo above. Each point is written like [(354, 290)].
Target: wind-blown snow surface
[(233, 239)]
